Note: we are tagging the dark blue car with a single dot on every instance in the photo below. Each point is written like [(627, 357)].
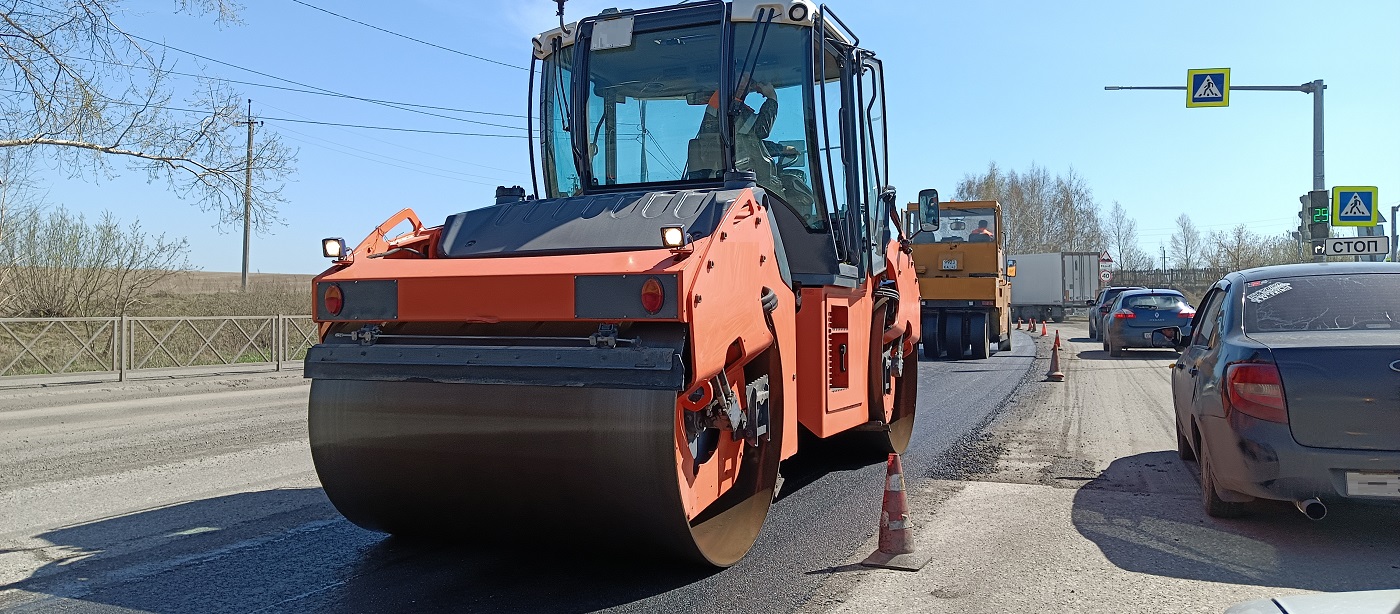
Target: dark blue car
[(1135, 314), (1289, 387)]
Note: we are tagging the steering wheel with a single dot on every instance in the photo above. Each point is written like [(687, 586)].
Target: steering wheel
[(783, 156)]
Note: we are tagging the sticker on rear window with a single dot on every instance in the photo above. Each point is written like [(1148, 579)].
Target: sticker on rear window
[(1269, 292)]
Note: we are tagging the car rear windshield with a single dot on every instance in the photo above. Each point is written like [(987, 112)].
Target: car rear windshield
[(1109, 295), (1324, 302), (1154, 301)]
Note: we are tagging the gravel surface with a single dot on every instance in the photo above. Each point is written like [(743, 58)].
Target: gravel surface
[(1074, 500)]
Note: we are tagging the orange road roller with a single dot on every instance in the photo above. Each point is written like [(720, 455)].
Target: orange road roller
[(624, 358)]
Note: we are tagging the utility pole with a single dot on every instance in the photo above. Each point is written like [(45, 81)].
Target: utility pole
[(1312, 87), (1165, 281), (1394, 239), (248, 194)]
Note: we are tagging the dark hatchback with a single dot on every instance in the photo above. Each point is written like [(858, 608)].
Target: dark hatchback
[(1099, 307), (1290, 387), (1135, 314)]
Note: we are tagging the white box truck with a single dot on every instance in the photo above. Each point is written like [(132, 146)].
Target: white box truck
[(1047, 285)]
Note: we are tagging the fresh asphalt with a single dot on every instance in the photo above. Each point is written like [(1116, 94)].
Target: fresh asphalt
[(199, 496)]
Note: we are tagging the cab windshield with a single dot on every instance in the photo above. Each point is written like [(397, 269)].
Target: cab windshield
[(652, 113), (973, 225)]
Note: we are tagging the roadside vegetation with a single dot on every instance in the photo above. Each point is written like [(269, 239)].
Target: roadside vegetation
[(1052, 213)]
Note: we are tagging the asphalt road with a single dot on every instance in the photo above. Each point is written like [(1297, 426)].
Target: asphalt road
[(1074, 500), (199, 495)]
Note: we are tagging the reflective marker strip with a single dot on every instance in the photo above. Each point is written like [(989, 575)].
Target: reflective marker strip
[(894, 482)]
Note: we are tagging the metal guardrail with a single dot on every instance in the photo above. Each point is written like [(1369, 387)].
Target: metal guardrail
[(122, 345)]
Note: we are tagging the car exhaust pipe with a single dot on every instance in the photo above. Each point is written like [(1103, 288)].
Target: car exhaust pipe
[(1312, 508)]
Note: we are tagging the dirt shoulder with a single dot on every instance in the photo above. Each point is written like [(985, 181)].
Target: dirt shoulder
[(1074, 501)]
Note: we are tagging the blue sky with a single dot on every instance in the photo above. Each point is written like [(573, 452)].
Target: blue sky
[(969, 82)]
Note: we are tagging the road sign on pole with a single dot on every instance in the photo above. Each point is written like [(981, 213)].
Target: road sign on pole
[(1208, 87), (1105, 276), (1355, 206), (1358, 246)]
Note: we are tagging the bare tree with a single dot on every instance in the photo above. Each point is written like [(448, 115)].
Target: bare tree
[(1186, 243), (86, 92), (1040, 212), (1120, 233), (62, 265)]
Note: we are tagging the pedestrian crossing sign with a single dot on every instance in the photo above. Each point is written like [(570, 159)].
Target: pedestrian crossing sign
[(1208, 87), (1354, 206)]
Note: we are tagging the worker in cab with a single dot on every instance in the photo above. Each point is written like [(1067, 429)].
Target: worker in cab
[(750, 129), (982, 234)]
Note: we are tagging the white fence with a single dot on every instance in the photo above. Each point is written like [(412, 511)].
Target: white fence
[(56, 347)]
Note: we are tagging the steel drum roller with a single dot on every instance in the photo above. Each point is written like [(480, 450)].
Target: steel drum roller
[(500, 463)]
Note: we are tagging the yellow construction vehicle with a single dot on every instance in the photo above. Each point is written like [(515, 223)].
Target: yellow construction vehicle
[(963, 277)]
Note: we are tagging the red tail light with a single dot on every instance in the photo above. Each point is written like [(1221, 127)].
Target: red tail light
[(1124, 314), (333, 299), (1188, 313), (653, 295), (1255, 389)]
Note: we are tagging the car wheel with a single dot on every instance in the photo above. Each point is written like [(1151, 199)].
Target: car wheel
[(1114, 350), (1104, 342), (1183, 445), (1210, 499)]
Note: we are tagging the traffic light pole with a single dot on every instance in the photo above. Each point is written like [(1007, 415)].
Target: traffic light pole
[(1312, 87)]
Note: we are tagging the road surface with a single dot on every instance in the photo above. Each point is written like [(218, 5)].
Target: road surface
[(199, 495), (1074, 500)]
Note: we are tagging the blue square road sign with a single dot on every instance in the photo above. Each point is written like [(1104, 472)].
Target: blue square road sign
[(1354, 206), (1208, 87)]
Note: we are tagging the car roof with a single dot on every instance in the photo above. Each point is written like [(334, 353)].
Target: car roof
[(1313, 268)]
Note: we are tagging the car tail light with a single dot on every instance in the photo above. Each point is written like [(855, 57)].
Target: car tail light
[(1124, 314), (333, 299), (653, 295), (1187, 313), (1255, 389)]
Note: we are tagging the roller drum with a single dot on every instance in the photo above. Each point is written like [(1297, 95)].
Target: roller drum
[(572, 467)]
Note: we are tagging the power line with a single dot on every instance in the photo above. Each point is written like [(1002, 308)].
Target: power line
[(307, 121), (417, 168), (359, 135), (302, 91), (392, 105), (393, 129), (263, 74), (436, 46)]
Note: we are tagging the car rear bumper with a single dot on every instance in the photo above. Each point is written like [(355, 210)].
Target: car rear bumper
[(1261, 459)]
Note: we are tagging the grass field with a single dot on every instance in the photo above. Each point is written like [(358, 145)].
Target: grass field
[(202, 293)]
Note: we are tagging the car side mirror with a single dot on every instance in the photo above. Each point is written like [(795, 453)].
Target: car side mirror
[(1172, 335), (928, 210), (1090, 303)]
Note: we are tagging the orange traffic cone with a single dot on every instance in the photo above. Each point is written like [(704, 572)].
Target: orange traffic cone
[(1018, 323), (896, 549), (1055, 375), (1043, 330), (1057, 338)]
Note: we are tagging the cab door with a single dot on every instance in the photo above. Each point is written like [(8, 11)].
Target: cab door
[(876, 195)]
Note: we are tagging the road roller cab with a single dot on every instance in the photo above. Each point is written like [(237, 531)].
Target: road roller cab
[(626, 355)]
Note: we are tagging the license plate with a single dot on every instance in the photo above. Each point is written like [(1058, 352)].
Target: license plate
[(1373, 484), (950, 265)]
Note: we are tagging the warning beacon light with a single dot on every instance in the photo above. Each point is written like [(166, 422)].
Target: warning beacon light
[(333, 247), (673, 237)]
